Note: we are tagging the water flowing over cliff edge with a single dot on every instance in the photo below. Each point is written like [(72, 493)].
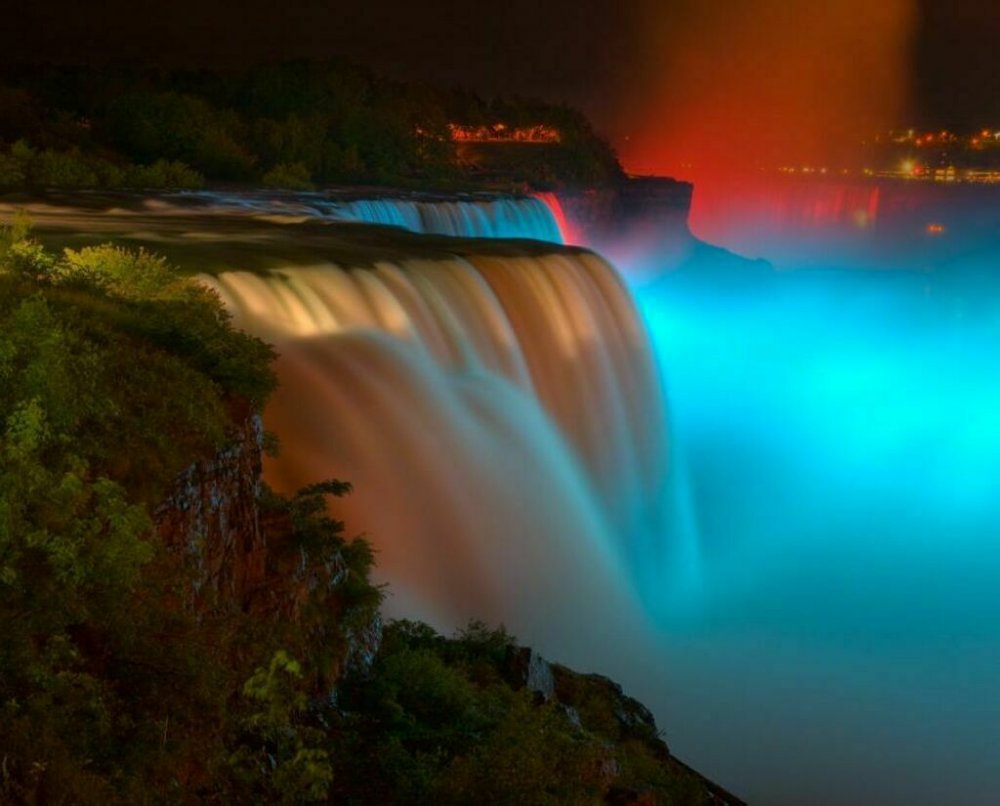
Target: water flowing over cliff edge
[(495, 403)]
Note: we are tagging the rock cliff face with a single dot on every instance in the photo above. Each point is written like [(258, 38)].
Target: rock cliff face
[(630, 721), (213, 514), (241, 554), (632, 208)]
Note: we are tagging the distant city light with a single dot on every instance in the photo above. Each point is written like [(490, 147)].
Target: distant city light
[(501, 133), (943, 156)]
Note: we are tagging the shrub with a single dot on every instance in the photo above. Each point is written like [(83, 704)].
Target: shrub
[(163, 175), (293, 176), (62, 169)]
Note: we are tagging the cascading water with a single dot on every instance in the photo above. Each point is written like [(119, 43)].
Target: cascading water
[(486, 217), (499, 416)]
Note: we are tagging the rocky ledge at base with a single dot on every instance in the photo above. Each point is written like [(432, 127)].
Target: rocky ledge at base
[(570, 691), (215, 512)]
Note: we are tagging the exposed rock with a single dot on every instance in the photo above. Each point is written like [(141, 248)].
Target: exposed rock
[(572, 716), (629, 209), (242, 557), (528, 669), (362, 646), (213, 514), (583, 697)]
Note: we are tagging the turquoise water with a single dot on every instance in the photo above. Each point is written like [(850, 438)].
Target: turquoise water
[(840, 432)]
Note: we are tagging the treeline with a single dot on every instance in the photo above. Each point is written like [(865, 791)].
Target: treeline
[(291, 125)]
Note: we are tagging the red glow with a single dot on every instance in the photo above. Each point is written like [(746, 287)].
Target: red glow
[(764, 83), (744, 212), (935, 229), (570, 234)]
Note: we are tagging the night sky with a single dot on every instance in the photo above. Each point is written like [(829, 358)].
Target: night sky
[(580, 51)]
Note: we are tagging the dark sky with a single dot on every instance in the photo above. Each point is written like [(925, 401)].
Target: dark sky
[(957, 58), (574, 50)]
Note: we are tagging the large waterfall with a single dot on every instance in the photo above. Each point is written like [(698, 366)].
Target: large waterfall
[(501, 418)]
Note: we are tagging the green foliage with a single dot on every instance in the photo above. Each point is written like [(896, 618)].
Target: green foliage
[(289, 176), (123, 273), (150, 126), (439, 721), (13, 173), (281, 758), (530, 757), (288, 125), (62, 169), (310, 552), (22, 167), (173, 313), (89, 443), (162, 175)]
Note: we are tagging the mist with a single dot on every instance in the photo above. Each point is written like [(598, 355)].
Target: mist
[(762, 83)]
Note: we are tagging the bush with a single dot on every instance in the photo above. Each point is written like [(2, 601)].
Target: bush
[(15, 165), (294, 176), (13, 173), (66, 169), (163, 175)]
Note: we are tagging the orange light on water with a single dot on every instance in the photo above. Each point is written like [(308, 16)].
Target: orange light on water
[(935, 229)]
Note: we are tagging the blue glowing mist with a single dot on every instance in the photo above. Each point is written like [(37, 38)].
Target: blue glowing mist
[(841, 437)]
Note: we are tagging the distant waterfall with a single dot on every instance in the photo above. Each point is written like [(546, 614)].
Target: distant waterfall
[(496, 218), (501, 419), (473, 217)]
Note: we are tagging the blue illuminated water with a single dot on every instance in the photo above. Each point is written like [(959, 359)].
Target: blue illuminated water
[(840, 432)]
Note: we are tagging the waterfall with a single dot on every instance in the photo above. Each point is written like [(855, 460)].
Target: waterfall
[(501, 419), (472, 217), (494, 218)]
